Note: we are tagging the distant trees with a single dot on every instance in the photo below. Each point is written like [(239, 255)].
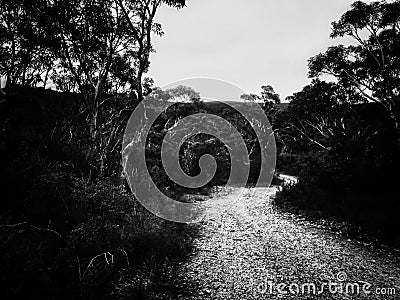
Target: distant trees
[(268, 95), (268, 98), (370, 69), (250, 97), (180, 93), (183, 93)]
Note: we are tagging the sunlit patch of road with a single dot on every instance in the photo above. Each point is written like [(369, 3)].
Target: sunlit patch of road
[(252, 244)]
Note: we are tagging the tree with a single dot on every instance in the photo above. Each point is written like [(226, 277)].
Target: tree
[(183, 93), (99, 49), (268, 99), (370, 69), (268, 96), (314, 118), (24, 57), (102, 46), (140, 18), (94, 45), (250, 97)]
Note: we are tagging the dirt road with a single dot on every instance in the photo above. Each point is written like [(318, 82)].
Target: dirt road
[(253, 251)]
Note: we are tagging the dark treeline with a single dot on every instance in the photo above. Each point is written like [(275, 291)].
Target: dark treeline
[(70, 228)]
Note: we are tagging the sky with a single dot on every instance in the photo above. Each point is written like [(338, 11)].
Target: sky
[(247, 43)]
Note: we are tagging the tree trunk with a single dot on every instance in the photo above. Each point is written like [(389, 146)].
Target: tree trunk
[(46, 77), (95, 113), (138, 86)]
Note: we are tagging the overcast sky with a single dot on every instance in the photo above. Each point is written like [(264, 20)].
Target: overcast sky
[(248, 43)]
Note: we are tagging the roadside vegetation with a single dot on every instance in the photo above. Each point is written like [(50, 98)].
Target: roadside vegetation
[(73, 73), (342, 137)]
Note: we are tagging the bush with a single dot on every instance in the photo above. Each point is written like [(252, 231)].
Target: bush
[(86, 239), (360, 194)]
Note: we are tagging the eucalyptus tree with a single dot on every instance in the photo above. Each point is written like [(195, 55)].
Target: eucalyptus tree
[(370, 67), (24, 55), (102, 46)]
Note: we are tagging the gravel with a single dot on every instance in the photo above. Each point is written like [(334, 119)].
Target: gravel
[(246, 251)]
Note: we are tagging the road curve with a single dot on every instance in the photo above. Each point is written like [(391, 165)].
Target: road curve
[(253, 251)]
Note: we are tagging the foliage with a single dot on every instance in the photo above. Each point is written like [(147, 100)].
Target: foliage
[(370, 68), (196, 145), (109, 239), (341, 138), (183, 94), (24, 56), (69, 229), (268, 96)]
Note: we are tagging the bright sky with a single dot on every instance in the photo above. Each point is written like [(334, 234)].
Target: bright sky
[(248, 43)]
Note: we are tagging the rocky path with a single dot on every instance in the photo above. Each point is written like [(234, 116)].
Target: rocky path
[(253, 251)]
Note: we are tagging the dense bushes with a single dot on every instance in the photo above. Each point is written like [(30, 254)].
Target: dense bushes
[(71, 227), (84, 239), (199, 144), (346, 158), (68, 229)]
